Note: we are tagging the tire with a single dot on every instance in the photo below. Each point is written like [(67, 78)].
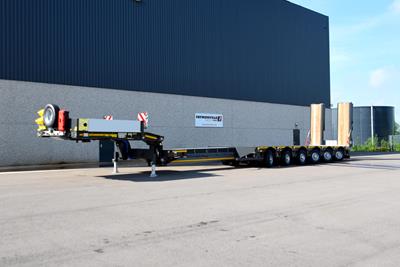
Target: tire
[(286, 158), (327, 155), (302, 157), (269, 159), (339, 155), (50, 116), (315, 156)]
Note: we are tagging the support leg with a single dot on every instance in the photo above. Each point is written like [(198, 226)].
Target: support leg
[(115, 170), (153, 161), (115, 162), (153, 171)]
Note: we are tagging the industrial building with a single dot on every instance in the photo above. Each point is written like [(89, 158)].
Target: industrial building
[(368, 122), (257, 65)]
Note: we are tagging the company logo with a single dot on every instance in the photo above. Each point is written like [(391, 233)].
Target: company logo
[(216, 118), (209, 120)]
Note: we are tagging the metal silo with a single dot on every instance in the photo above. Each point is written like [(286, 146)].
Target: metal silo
[(362, 124), (383, 122), (369, 121)]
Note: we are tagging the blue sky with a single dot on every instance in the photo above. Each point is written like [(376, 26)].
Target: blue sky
[(365, 50)]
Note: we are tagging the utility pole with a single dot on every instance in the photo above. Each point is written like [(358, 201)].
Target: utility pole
[(372, 125)]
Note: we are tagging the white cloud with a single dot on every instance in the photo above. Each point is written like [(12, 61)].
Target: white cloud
[(395, 6), (386, 76), (378, 77), (380, 20)]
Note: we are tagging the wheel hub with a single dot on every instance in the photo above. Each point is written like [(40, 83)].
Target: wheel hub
[(287, 159), (327, 156), (339, 155)]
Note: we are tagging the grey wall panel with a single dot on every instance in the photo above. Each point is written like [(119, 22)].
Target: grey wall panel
[(268, 51), (246, 123)]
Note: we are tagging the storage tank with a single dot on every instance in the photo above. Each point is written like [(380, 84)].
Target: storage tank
[(384, 120), (380, 122), (362, 124)]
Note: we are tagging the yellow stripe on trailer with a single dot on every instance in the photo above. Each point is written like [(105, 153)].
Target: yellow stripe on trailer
[(180, 151), (203, 160), (111, 135), (151, 137), (261, 148)]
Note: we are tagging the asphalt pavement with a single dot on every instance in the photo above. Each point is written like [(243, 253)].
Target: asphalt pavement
[(338, 214)]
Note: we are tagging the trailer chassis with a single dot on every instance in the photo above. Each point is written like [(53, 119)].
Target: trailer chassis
[(123, 132)]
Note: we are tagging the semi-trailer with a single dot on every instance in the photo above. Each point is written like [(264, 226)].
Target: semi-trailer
[(54, 122)]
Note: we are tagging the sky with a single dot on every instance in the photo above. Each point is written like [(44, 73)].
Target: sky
[(365, 50)]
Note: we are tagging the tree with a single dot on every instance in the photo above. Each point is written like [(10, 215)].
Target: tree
[(396, 128)]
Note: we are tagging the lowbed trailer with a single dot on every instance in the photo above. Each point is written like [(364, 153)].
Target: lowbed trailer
[(55, 123)]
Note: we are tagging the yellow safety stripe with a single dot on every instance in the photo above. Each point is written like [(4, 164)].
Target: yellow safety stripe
[(203, 160), (150, 137), (112, 135), (180, 151)]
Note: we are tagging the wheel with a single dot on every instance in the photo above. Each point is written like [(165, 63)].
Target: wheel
[(50, 116), (286, 158), (328, 155), (302, 157), (339, 155), (269, 159), (315, 156)]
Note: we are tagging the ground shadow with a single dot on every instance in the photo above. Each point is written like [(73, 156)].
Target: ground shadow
[(209, 170), (165, 175)]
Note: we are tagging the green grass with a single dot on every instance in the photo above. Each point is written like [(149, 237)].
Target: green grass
[(375, 145)]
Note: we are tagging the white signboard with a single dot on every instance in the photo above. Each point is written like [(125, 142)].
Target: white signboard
[(209, 120)]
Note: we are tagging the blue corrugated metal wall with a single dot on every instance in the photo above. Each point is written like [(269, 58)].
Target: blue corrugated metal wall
[(271, 51)]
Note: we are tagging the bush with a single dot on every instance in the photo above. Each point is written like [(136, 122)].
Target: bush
[(368, 146), (374, 145), (396, 147)]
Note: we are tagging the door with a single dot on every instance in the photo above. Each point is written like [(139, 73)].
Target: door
[(296, 137), (106, 153)]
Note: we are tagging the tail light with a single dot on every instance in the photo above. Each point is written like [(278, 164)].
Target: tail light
[(63, 119)]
